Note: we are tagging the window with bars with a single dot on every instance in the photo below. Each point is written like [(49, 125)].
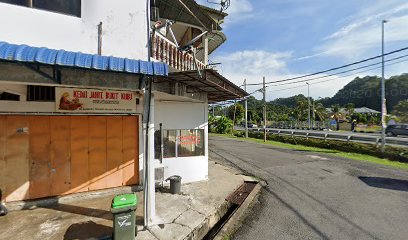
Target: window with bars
[(69, 7), (6, 96), (40, 93)]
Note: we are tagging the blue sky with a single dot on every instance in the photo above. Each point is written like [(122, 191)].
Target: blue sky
[(285, 38)]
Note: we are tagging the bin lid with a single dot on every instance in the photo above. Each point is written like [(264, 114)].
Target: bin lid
[(124, 200)]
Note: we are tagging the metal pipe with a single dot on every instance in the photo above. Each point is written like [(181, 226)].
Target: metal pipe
[(146, 115), (192, 14), (100, 38)]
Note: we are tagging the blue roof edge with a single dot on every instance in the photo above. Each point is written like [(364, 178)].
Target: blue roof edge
[(43, 55)]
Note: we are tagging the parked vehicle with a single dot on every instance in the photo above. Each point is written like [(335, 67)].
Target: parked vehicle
[(251, 125), (397, 129)]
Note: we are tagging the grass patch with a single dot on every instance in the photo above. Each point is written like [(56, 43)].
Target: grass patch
[(331, 152)]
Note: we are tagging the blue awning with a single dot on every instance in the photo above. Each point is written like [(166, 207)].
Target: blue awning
[(24, 53)]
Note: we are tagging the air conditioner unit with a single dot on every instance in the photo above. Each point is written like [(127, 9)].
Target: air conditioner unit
[(159, 176)]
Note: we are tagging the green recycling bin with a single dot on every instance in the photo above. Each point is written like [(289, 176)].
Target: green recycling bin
[(124, 217)]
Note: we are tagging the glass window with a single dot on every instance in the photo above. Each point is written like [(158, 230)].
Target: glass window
[(15, 2), (179, 143), (71, 7), (191, 143)]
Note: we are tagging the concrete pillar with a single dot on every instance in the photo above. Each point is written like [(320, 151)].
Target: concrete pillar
[(205, 46)]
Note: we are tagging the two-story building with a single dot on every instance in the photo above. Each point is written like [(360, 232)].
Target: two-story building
[(72, 81)]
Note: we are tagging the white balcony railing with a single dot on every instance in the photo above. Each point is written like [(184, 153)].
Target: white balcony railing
[(166, 51)]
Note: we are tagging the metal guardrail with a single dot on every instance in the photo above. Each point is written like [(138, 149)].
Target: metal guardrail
[(333, 136)]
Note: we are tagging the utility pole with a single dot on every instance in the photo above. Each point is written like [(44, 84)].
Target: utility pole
[(383, 103), (264, 108), (308, 102), (314, 114), (246, 112)]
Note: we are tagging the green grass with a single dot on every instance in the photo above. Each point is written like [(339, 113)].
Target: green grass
[(354, 156)]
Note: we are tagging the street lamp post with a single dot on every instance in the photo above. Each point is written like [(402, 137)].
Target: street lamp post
[(383, 104), (308, 101)]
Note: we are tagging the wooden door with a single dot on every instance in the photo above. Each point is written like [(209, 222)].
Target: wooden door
[(40, 162), (114, 152), (79, 154), (97, 152), (60, 154), (17, 151), (130, 160), (2, 157)]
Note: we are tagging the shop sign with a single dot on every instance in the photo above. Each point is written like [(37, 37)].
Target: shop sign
[(94, 100)]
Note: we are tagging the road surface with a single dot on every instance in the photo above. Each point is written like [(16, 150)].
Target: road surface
[(316, 196)]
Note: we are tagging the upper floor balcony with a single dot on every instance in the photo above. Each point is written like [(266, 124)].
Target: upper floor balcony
[(166, 51)]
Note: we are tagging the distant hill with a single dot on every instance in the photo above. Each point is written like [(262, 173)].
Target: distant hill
[(365, 92), (290, 101)]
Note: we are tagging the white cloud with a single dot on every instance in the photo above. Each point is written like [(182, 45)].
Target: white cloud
[(362, 35), (239, 10), (254, 65)]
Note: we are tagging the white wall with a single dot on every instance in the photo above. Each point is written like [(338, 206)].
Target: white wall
[(124, 28), (184, 115)]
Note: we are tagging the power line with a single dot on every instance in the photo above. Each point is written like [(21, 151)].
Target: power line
[(332, 69), (346, 71), (338, 77)]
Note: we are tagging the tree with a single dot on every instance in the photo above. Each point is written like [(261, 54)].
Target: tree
[(336, 115), (236, 111), (401, 110), (349, 110), (320, 112), (301, 109), (220, 124)]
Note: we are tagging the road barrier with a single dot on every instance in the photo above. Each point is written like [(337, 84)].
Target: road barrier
[(334, 136)]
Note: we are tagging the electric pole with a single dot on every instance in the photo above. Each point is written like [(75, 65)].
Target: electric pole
[(308, 103), (264, 108), (246, 112), (383, 104)]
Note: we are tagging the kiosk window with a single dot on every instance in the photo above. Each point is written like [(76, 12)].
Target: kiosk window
[(180, 143)]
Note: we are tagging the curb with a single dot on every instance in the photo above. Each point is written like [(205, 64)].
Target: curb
[(234, 222)]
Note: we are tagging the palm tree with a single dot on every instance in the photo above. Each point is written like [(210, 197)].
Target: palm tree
[(320, 111), (336, 114)]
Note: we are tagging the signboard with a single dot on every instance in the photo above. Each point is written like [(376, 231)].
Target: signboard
[(81, 100)]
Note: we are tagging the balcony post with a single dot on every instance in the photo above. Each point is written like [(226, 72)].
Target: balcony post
[(205, 45)]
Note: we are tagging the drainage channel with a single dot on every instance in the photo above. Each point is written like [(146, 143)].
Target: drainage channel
[(236, 198)]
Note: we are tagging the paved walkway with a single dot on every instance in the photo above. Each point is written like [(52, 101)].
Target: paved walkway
[(188, 215)]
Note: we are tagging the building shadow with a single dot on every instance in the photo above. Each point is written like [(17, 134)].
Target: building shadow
[(386, 183), (90, 212), (88, 230)]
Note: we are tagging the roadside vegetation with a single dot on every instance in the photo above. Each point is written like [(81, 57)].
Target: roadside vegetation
[(332, 148), (293, 111)]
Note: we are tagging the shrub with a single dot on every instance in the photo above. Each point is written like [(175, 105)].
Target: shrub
[(391, 153), (220, 125)]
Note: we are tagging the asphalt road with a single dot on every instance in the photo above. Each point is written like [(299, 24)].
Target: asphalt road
[(315, 196)]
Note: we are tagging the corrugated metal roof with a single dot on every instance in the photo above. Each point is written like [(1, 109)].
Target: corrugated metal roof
[(24, 53), (174, 10), (214, 84)]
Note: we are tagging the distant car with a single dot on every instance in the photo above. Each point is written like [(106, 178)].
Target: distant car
[(251, 125), (397, 129)]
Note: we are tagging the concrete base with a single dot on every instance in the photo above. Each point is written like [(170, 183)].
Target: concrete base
[(187, 216)]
